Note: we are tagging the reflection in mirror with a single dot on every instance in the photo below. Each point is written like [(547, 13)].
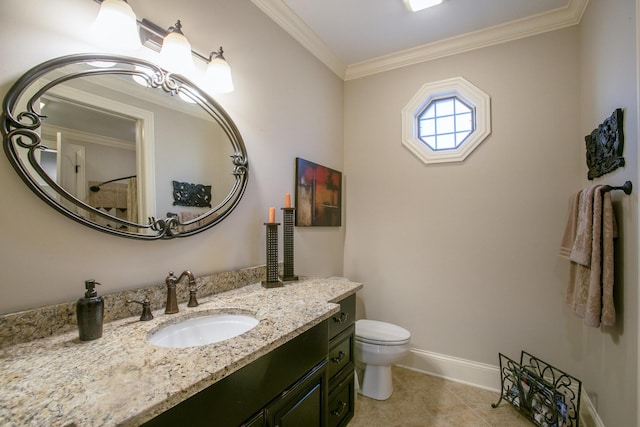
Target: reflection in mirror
[(104, 145)]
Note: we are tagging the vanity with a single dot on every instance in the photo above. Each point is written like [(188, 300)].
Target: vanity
[(296, 362), (293, 368)]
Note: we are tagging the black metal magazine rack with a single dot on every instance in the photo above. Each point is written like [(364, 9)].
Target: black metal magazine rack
[(544, 394)]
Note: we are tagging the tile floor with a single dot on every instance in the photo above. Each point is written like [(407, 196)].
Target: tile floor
[(421, 400)]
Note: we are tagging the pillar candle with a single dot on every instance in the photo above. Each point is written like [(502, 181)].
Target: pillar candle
[(287, 200), (272, 215)]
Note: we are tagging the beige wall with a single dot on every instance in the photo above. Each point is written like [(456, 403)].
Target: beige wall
[(608, 356), (286, 104), (469, 247), (464, 255)]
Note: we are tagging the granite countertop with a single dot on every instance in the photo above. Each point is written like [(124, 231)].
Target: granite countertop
[(121, 379)]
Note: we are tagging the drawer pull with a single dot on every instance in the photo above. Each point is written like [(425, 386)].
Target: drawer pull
[(343, 317), (340, 357), (337, 412)]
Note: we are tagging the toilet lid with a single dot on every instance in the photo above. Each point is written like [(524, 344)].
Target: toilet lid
[(376, 332)]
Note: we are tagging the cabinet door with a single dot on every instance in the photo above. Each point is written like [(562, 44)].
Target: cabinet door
[(304, 404), (255, 421)]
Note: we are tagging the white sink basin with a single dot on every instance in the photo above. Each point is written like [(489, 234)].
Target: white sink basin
[(203, 330)]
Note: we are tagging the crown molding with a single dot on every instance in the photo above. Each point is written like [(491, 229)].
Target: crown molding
[(49, 133), (280, 13), (552, 20), (514, 30)]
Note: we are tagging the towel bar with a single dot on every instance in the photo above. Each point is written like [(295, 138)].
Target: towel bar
[(626, 187)]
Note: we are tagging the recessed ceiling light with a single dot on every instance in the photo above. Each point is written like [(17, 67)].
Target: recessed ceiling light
[(416, 5)]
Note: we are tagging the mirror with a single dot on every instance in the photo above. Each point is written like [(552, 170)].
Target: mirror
[(124, 147)]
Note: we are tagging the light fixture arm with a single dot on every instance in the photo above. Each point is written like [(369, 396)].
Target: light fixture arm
[(217, 54), (177, 28)]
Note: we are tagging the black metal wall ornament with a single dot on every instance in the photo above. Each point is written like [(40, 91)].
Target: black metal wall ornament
[(605, 146), (187, 194)]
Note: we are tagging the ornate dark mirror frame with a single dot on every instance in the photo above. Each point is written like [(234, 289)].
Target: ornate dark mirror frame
[(21, 131), (605, 146)]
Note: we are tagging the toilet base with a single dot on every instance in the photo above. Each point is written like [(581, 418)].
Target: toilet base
[(376, 382)]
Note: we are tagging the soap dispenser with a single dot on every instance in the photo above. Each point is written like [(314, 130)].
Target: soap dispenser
[(90, 313)]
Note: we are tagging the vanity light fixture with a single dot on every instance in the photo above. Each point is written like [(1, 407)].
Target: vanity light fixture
[(219, 73), (116, 26), (416, 5), (176, 55)]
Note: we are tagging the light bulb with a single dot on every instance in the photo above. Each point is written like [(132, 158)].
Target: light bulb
[(116, 27)]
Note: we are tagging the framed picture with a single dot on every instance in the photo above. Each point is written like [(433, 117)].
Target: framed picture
[(318, 195)]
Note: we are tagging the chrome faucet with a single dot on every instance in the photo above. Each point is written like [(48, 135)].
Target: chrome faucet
[(172, 301)]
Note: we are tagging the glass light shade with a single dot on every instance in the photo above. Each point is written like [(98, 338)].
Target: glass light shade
[(175, 54), (218, 75), (115, 26), (416, 5)]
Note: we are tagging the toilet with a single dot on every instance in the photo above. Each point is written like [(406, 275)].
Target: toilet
[(377, 346)]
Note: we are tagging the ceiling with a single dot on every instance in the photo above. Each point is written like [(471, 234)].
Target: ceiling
[(355, 38)]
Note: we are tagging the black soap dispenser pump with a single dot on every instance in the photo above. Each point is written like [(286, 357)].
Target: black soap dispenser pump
[(90, 313)]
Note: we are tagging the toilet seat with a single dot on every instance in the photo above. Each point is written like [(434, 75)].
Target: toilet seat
[(381, 333)]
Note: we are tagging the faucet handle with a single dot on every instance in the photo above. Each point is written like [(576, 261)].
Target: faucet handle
[(193, 302), (171, 279), (146, 308)]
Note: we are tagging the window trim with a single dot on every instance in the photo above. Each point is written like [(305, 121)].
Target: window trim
[(469, 94)]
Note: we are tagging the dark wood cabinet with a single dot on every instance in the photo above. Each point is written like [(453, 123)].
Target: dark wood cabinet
[(240, 398), (340, 364), (307, 381)]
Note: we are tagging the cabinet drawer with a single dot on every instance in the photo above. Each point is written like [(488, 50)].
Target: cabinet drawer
[(341, 402), (344, 318), (341, 352)]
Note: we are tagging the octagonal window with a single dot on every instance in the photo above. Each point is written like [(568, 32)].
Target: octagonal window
[(446, 120), (446, 123)]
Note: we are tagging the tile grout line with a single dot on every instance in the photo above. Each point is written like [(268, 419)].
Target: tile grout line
[(468, 407)]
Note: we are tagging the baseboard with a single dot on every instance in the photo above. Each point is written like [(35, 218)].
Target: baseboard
[(453, 368), (479, 375), (588, 415)]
